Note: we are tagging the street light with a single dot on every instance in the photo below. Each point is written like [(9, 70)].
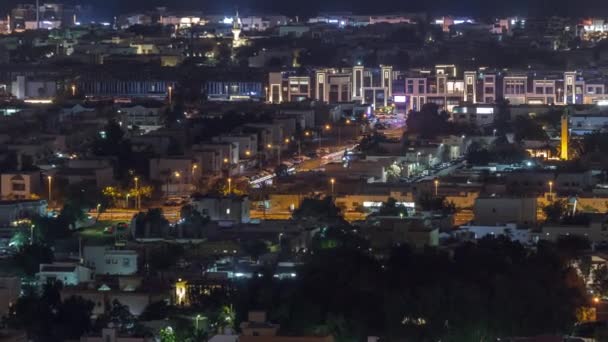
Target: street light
[(247, 153), (170, 89), (137, 199), (73, 87), (50, 179), (551, 189), (198, 317), (229, 185), (333, 182), (32, 234), (436, 186)]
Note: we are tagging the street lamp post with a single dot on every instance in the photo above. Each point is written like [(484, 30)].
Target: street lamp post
[(436, 186), (137, 199), (73, 87), (333, 183), (327, 128), (178, 177), (229, 185), (50, 181), (198, 317), (170, 91), (551, 190)]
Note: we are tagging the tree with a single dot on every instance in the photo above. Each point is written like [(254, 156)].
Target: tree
[(428, 122), (318, 210), (600, 280), (29, 258), (155, 311), (165, 257), (281, 171), (391, 208), (527, 128), (167, 335), (555, 211), (429, 202), (119, 316), (254, 248), (74, 317), (151, 224), (192, 223)]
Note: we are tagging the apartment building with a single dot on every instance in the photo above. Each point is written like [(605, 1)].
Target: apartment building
[(445, 85), (372, 86)]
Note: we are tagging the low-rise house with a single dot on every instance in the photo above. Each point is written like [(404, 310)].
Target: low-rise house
[(130, 293), (146, 116), (593, 227), (20, 185), (510, 230), (223, 208), (69, 273), (247, 144), (176, 173), (490, 211), (112, 335), (11, 211), (109, 261), (258, 329), (98, 176), (386, 231)]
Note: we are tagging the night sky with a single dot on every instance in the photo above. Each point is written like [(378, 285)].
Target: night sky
[(310, 7)]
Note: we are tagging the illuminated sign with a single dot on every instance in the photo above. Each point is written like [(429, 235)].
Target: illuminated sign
[(399, 99), (485, 110), (602, 103)]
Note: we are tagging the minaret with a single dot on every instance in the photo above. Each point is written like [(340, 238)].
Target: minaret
[(236, 29), (565, 136)]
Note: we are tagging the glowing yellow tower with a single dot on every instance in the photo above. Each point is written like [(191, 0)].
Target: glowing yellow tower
[(565, 136)]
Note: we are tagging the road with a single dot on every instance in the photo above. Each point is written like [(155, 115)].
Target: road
[(286, 215), (171, 213)]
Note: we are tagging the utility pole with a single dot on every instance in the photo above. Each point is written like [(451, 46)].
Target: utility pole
[(37, 14)]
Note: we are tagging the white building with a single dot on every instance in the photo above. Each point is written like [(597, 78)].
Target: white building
[(233, 209), (109, 261), (247, 144), (11, 211), (509, 230), (24, 88), (145, 117), (68, 273)]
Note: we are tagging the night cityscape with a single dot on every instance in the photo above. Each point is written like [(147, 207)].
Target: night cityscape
[(320, 171)]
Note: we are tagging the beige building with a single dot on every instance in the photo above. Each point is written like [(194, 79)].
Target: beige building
[(20, 185), (596, 229), (385, 232), (500, 210)]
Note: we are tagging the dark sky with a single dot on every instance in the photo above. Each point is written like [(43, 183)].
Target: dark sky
[(307, 7)]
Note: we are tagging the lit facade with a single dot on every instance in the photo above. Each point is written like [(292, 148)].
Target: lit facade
[(365, 85), (445, 85)]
